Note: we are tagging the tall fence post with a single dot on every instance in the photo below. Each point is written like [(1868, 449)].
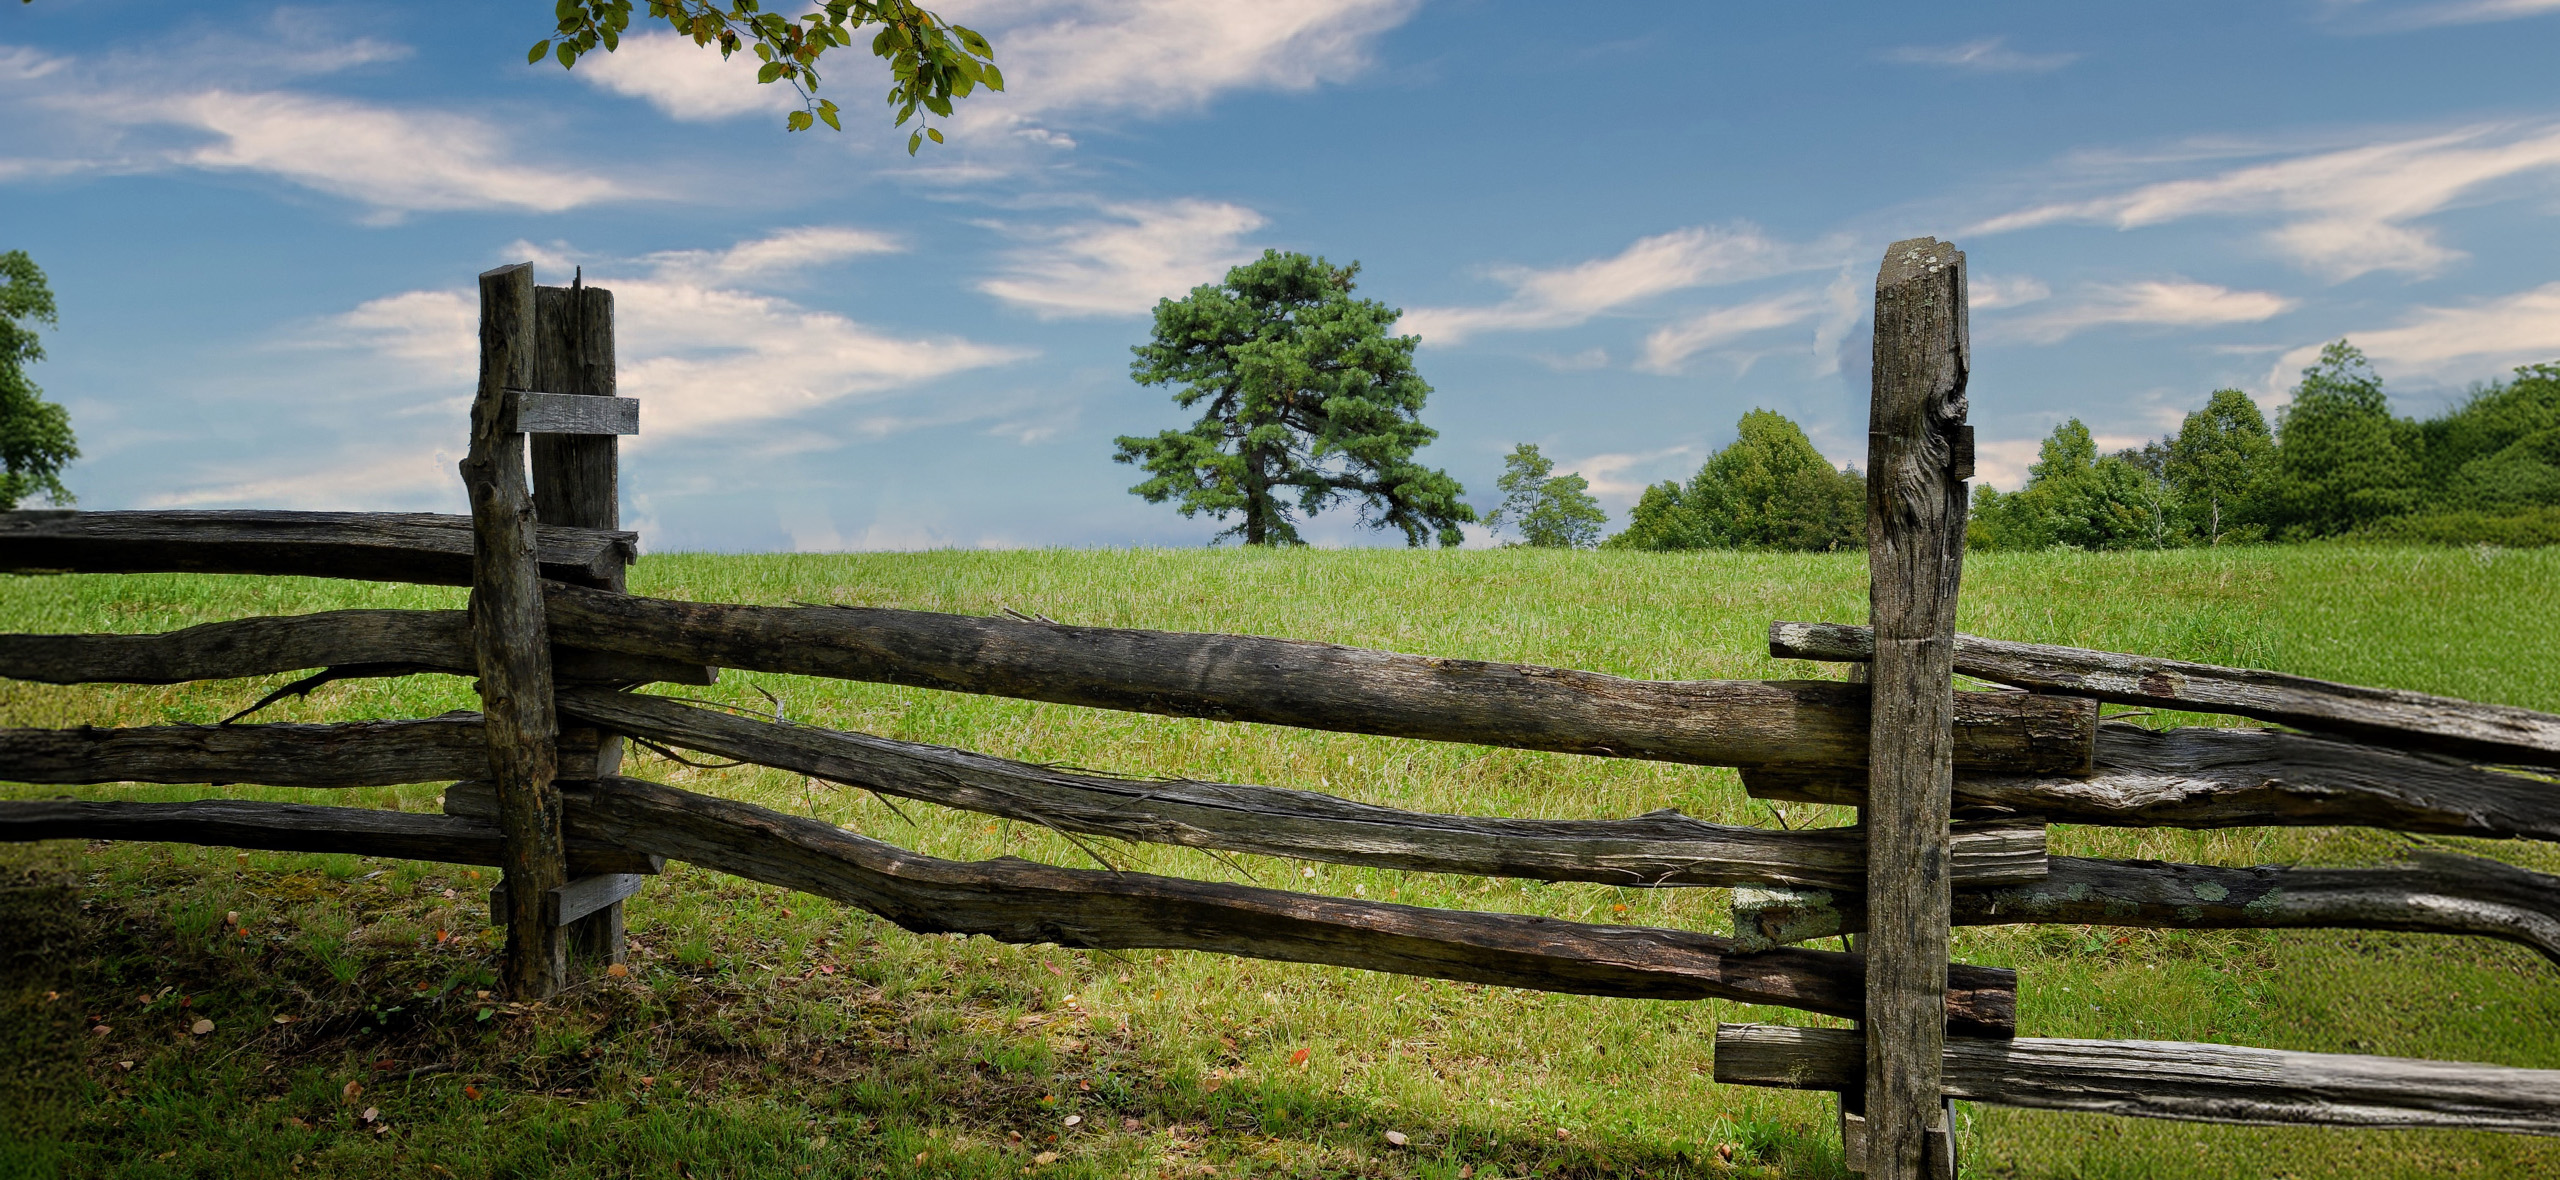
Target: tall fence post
[(577, 482), (1919, 454), (510, 637)]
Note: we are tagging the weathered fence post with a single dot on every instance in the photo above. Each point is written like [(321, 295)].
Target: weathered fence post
[(577, 482), (511, 639), (1919, 454)]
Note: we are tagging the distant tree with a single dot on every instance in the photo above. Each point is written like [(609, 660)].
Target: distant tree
[(35, 434), (1305, 399), (2342, 460), (1769, 489), (2075, 498), (2500, 450), (1549, 511), (2218, 466)]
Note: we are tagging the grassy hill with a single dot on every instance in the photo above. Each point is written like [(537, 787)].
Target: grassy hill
[(767, 1034)]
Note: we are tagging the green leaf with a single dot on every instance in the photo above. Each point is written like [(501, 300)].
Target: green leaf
[(993, 76), (827, 112), (541, 49), (568, 55), (771, 70), (799, 121), (933, 133), (569, 10), (914, 141)]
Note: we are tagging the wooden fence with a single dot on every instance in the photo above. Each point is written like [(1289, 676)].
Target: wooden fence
[(1954, 787)]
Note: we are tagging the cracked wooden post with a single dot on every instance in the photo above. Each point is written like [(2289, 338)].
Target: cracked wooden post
[(510, 638), (1919, 455), (576, 481)]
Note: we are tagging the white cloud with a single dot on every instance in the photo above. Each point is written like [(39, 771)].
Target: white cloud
[(1988, 56), (1066, 58), (690, 82), (2155, 302), (2340, 213), (788, 250), (1123, 264), (2446, 345), (1565, 296), (1620, 476), (394, 160), (1669, 346), (1985, 292), (2450, 12)]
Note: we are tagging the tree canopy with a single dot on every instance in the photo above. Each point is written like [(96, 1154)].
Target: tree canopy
[(1549, 511), (1769, 489), (35, 434), (931, 62), (1305, 400)]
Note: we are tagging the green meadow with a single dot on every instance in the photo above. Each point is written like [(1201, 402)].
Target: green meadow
[(763, 1033)]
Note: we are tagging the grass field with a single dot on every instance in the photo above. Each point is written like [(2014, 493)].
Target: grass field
[(767, 1034)]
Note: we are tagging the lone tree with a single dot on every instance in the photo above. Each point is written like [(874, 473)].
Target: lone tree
[(1549, 511), (1305, 399), (35, 434)]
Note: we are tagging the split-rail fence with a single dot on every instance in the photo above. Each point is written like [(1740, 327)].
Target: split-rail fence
[(1954, 787)]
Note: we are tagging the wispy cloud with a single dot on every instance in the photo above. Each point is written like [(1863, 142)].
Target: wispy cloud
[(1986, 292), (1565, 296), (1991, 55), (2451, 345), (772, 255), (2392, 18), (2339, 213), (1619, 477), (1670, 346), (685, 81), (2150, 302), (1122, 263)]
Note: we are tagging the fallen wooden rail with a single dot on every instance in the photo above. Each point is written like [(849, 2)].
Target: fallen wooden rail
[(425, 547), (1021, 902), (350, 643), (2228, 778), (1663, 848), (2431, 893), (2501, 733), (343, 754), (2172, 1080), (1316, 685), (291, 827)]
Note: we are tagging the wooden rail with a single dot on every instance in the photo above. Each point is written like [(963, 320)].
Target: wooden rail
[(1662, 848), (292, 827), (2174, 1080), (2390, 716), (2229, 778), (350, 643), (1018, 901), (425, 547), (341, 754), (1317, 685), (2430, 893)]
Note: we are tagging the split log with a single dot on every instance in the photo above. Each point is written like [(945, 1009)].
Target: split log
[(345, 754), (1020, 902), (2430, 893), (350, 643), (291, 827), (2390, 716), (424, 547), (1317, 685), (2235, 778), (1919, 454), (1662, 848), (2175, 1080)]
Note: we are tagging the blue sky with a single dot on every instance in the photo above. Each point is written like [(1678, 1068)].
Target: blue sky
[(1614, 235)]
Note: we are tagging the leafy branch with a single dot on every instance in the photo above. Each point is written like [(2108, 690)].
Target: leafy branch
[(931, 62)]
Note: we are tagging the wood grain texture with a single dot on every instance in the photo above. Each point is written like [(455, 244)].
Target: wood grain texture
[(2385, 716), (291, 827), (352, 642), (510, 639), (1317, 685), (344, 754), (2175, 1080), (1915, 554), (1021, 902), (562, 413), (2428, 893), (1662, 848), (423, 547), (2230, 778)]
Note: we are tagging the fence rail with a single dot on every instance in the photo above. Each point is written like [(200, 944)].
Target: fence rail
[(423, 547), (340, 754), (294, 827)]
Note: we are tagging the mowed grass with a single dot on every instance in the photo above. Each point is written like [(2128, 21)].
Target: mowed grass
[(762, 1033)]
